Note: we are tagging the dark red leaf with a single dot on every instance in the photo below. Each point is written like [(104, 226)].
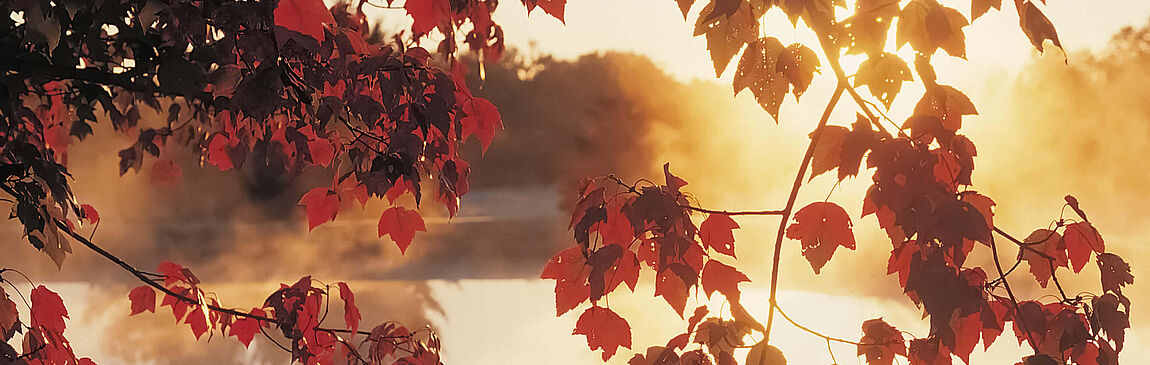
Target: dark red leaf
[(245, 329), (821, 227), (723, 278), (143, 298), (304, 16), (351, 314), (1080, 239), (401, 223), (322, 205), (717, 233), (604, 330), (48, 311)]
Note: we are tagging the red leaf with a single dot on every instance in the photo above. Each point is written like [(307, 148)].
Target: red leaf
[(625, 271), (198, 321), (717, 233), (569, 270), (172, 272), (166, 172), (245, 329), (401, 223), (322, 205), (881, 342), (1047, 242), (673, 182), (8, 315), (1081, 238), (89, 214), (827, 154), (322, 151), (48, 311), (553, 7), (143, 299), (482, 119), (604, 330), (304, 16), (426, 13), (725, 279), (966, 333), (351, 314), (617, 229), (673, 290), (821, 227), (217, 153)]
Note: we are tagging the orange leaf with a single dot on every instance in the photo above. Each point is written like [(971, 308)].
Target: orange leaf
[(717, 232), (723, 278), (304, 16), (1081, 238)]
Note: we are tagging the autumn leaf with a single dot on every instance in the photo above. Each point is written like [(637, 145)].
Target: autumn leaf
[(883, 75), (604, 330), (764, 354), (322, 205), (827, 154), (1115, 272), (982, 203), (246, 328), (626, 270), (758, 71), (89, 214), (880, 342), (197, 320), (1110, 319), (717, 233), (726, 35), (685, 6), (1080, 239), (554, 8), (8, 315), (928, 26), (482, 120), (799, 64), (672, 289), (427, 14), (947, 104), (723, 278), (673, 182), (1036, 25), (868, 28), (304, 16), (821, 227), (48, 311), (1043, 242), (143, 298), (166, 172), (351, 314), (322, 151), (401, 223), (569, 270), (980, 7)]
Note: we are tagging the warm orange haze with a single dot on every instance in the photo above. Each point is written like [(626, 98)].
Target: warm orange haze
[(616, 88)]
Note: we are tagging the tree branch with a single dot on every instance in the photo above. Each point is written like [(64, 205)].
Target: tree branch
[(786, 213)]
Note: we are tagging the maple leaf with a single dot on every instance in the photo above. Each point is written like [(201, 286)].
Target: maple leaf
[(1036, 25), (857, 142), (673, 290), (717, 232), (980, 7), (569, 270), (304, 16), (401, 223), (322, 151), (245, 328), (1047, 242), (197, 320), (179, 306), (799, 64), (217, 152), (626, 270), (604, 330), (827, 154), (966, 333), (48, 311), (1080, 238), (322, 205), (351, 314), (554, 8), (427, 14), (685, 6), (880, 342), (759, 71), (868, 28), (723, 278), (166, 172), (982, 203), (1110, 319), (883, 75), (1115, 272), (994, 316), (726, 35), (482, 121), (928, 26), (763, 354), (617, 229), (89, 214), (8, 315), (927, 352), (947, 104), (821, 227), (600, 261), (143, 298), (172, 272)]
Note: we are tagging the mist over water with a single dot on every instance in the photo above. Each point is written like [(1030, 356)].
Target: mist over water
[(1054, 129)]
